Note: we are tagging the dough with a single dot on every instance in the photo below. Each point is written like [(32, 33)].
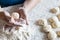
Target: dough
[(47, 28), (42, 22), (58, 16), (50, 20), (52, 35), (53, 25), (55, 10), (15, 15), (54, 22), (58, 33)]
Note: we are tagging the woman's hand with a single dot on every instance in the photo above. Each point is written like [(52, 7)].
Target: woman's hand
[(23, 15), (29, 4)]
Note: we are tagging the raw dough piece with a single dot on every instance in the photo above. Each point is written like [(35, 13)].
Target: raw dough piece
[(53, 25), (15, 15), (58, 33), (54, 22), (50, 20), (55, 10), (42, 22), (52, 35), (47, 28), (58, 16)]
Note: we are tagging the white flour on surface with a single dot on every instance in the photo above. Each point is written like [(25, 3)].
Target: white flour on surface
[(21, 34)]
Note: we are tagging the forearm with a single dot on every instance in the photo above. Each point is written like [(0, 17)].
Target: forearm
[(30, 4)]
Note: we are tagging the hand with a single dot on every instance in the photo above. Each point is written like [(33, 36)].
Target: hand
[(12, 20), (22, 15)]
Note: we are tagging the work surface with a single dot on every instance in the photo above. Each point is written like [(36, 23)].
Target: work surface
[(41, 11)]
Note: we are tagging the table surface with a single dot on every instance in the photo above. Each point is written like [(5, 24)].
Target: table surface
[(41, 11)]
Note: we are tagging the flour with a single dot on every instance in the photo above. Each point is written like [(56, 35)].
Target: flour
[(21, 34)]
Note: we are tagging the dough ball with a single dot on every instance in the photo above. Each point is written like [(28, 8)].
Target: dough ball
[(55, 10), (45, 22), (52, 35), (53, 25), (58, 16), (15, 15), (47, 28), (58, 33), (56, 21), (42, 22), (50, 20)]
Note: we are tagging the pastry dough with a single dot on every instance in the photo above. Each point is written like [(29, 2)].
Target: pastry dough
[(52, 35), (42, 22), (15, 15), (53, 25), (50, 20), (54, 22), (55, 10), (58, 33), (58, 16), (47, 28)]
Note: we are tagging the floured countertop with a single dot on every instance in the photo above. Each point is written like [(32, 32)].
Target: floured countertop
[(40, 11)]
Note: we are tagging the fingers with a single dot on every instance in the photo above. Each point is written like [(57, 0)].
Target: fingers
[(23, 15)]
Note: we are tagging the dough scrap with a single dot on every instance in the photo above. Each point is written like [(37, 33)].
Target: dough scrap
[(58, 16), (42, 22), (15, 15), (58, 33), (55, 10), (52, 35)]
